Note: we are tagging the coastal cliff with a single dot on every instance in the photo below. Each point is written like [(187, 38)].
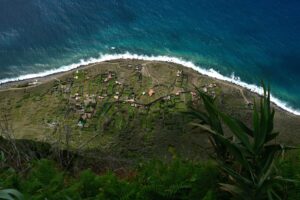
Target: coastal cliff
[(125, 109)]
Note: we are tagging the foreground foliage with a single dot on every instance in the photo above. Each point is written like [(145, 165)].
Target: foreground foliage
[(153, 180), (247, 156), (10, 194), (290, 167)]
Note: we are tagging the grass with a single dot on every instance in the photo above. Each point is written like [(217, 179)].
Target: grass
[(29, 118), (127, 134), (155, 179)]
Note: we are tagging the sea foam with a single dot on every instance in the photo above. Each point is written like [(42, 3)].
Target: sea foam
[(209, 72)]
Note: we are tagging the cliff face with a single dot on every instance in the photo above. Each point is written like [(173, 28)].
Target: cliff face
[(123, 108)]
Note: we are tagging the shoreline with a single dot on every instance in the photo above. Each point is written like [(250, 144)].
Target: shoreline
[(7, 84)]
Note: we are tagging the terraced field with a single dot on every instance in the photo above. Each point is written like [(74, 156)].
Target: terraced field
[(124, 109)]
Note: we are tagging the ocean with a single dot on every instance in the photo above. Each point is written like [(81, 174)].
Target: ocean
[(243, 42)]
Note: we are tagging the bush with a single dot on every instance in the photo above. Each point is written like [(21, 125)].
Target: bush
[(44, 181), (290, 168), (177, 180), (108, 186), (154, 180)]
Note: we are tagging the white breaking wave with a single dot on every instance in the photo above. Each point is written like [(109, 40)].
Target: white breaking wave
[(209, 72)]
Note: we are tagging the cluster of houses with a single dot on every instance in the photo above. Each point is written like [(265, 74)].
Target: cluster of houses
[(179, 73), (209, 88), (85, 105)]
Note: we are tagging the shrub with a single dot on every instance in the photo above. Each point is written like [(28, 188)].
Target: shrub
[(290, 167), (44, 181), (177, 180), (153, 180), (108, 186), (247, 157), (9, 179)]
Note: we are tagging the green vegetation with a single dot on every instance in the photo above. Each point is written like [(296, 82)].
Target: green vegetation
[(177, 179), (10, 194), (290, 168), (108, 109), (119, 130), (247, 157), (67, 110)]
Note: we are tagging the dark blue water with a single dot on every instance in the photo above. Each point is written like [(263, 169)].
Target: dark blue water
[(255, 40)]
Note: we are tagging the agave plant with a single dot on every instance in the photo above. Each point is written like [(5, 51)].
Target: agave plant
[(247, 155), (10, 194)]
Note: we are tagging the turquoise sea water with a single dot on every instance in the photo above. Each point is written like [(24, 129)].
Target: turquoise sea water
[(253, 40)]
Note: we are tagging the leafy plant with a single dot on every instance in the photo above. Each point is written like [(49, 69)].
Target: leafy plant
[(155, 179), (246, 156), (44, 175), (10, 194), (290, 167), (178, 180)]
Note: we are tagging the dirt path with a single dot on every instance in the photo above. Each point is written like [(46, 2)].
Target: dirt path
[(240, 90), (243, 95), (146, 72)]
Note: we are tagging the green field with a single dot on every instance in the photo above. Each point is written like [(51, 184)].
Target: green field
[(106, 108)]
